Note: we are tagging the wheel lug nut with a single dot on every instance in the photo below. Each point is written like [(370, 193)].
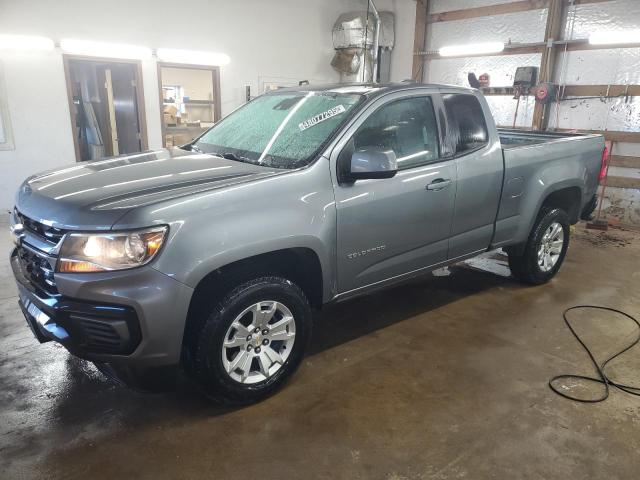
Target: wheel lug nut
[(265, 342), (257, 349), (265, 331), (249, 348), (257, 330), (248, 338)]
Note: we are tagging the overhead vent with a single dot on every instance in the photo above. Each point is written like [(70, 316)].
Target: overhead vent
[(354, 40)]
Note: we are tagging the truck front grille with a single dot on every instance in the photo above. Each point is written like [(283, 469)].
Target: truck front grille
[(45, 232), (37, 269)]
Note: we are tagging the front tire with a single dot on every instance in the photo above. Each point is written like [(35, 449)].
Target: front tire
[(252, 341), (545, 250)]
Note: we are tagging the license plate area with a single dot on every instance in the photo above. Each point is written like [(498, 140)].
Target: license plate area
[(37, 314), (27, 307), (42, 325)]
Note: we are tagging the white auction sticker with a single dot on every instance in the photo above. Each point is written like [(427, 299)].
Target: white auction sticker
[(321, 117)]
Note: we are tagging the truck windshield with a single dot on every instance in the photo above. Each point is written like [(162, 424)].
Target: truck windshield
[(283, 130)]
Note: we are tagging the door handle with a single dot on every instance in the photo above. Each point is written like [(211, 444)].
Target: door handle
[(439, 184)]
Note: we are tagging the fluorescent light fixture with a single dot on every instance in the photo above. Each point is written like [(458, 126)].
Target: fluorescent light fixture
[(471, 49), (102, 49), (25, 43), (195, 57), (614, 37)]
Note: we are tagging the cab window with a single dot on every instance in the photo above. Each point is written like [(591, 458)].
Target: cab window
[(466, 121), (407, 126)]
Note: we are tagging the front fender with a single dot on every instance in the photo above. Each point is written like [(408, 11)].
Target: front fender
[(198, 268), (215, 229)]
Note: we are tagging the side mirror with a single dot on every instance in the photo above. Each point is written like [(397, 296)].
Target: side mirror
[(372, 162)]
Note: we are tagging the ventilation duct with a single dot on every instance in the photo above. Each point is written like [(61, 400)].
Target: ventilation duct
[(354, 40)]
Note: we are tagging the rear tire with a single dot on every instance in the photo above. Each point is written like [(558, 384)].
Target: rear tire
[(252, 341), (545, 250)]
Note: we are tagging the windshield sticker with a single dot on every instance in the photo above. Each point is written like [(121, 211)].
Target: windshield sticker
[(321, 117)]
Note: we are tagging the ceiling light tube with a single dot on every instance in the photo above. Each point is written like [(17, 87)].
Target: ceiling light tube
[(471, 49), (195, 57), (103, 49), (25, 43), (609, 37)]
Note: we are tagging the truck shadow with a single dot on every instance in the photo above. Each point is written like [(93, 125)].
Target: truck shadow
[(342, 322)]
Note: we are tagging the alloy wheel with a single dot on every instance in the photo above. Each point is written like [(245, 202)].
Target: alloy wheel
[(258, 342), (550, 247)]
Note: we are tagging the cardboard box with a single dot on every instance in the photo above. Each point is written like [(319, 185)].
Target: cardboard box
[(171, 110), (181, 138)]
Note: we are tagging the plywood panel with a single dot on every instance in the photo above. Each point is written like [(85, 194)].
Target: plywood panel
[(420, 32), (623, 182), (624, 161), (499, 9)]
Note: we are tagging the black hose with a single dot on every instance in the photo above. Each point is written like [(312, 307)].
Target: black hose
[(602, 378)]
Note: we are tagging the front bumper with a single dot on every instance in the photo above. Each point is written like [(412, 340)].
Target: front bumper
[(133, 318)]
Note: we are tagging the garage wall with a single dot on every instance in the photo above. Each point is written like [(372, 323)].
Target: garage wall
[(280, 41), (501, 69), (405, 20), (604, 67), (598, 67)]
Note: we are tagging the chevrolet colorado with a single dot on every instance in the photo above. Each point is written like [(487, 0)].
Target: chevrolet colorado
[(209, 257)]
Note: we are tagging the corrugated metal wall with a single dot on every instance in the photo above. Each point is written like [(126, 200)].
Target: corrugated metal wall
[(595, 67)]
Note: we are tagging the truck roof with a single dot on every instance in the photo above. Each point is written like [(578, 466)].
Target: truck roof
[(370, 89)]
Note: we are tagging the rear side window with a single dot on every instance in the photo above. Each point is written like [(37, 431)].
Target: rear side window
[(466, 120)]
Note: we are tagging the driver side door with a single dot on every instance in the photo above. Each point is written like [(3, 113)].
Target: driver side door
[(390, 228)]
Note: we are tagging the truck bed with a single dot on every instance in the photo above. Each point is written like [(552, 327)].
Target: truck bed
[(536, 164), (510, 138)]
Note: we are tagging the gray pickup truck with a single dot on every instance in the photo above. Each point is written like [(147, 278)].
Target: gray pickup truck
[(210, 257)]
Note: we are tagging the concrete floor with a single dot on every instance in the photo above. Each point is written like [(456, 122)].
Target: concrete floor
[(442, 378)]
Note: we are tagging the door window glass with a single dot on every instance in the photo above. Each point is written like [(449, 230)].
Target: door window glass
[(467, 121), (408, 127)]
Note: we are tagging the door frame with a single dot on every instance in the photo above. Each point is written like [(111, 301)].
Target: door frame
[(215, 77), (333, 152), (339, 142), (142, 116)]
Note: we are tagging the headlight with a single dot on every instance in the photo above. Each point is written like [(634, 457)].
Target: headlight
[(99, 252)]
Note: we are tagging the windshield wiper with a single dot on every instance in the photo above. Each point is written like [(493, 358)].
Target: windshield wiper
[(228, 155), (232, 156), (191, 147)]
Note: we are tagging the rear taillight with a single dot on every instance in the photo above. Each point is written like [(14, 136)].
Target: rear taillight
[(603, 166)]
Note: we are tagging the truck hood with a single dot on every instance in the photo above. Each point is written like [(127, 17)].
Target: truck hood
[(96, 194)]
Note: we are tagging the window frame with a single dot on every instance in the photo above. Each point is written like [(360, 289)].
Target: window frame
[(215, 78), (452, 125)]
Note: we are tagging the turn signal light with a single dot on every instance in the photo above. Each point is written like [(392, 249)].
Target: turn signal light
[(70, 266)]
